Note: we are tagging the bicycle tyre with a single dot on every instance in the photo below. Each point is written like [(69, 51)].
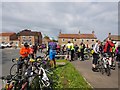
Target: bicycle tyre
[(13, 69), (102, 69), (108, 71), (86, 57)]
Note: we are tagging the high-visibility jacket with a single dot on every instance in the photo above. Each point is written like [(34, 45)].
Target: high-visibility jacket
[(24, 52), (68, 46), (72, 46)]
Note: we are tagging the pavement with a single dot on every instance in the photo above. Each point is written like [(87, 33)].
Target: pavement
[(96, 79)]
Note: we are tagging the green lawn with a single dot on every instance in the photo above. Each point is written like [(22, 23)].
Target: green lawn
[(69, 77)]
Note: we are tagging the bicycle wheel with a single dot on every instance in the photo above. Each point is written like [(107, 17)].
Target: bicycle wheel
[(108, 70), (14, 69), (102, 69), (86, 57)]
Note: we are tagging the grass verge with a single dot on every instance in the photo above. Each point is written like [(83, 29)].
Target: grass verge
[(69, 77)]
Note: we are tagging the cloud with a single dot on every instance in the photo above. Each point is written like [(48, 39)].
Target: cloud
[(60, 0), (70, 17)]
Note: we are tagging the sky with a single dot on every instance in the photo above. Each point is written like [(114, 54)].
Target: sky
[(69, 17)]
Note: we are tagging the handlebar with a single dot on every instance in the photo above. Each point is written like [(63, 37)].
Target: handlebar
[(13, 60)]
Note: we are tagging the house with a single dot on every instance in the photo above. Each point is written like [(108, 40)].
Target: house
[(46, 40), (7, 37), (31, 37), (88, 39)]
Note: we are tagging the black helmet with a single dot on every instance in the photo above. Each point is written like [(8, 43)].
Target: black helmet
[(68, 41), (26, 44)]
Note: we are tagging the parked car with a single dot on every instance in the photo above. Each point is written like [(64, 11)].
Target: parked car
[(5, 45), (8, 45)]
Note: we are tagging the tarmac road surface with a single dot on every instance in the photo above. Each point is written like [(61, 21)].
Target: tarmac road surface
[(96, 79)]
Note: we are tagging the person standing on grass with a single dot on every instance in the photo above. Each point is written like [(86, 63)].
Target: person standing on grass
[(72, 51), (68, 49), (52, 52)]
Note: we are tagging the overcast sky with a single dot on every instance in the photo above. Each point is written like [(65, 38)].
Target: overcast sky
[(70, 17)]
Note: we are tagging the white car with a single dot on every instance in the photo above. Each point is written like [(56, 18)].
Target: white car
[(8, 45), (3, 45)]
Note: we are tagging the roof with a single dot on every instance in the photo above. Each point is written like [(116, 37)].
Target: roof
[(78, 36), (114, 37), (7, 34), (28, 33), (46, 39)]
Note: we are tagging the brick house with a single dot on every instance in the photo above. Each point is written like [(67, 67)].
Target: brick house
[(7, 37), (30, 37), (88, 39), (46, 40)]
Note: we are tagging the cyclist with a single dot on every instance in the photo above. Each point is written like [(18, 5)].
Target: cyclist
[(82, 47), (52, 52), (31, 52), (72, 52), (68, 48), (108, 47), (76, 51), (95, 55), (25, 51), (118, 55), (35, 48)]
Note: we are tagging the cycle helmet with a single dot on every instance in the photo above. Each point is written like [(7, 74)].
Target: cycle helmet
[(26, 45)]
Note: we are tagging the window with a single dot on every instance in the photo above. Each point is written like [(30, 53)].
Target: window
[(30, 37), (22, 43), (87, 40), (92, 40), (4, 38), (82, 40), (74, 39), (23, 37), (63, 40)]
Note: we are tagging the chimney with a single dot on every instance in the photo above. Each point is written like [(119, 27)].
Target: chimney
[(60, 31), (109, 34), (93, 32), (79, 32)]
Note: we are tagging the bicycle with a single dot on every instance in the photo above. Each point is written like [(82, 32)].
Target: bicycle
[(106, 64), (13, 83), (19, 66)]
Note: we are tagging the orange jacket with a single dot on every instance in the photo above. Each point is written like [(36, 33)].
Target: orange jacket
[(24, 52)]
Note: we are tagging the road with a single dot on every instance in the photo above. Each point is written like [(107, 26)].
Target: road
[(96, 79), (5, 62)]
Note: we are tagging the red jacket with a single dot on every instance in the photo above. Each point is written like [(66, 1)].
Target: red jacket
[(108, 46)]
